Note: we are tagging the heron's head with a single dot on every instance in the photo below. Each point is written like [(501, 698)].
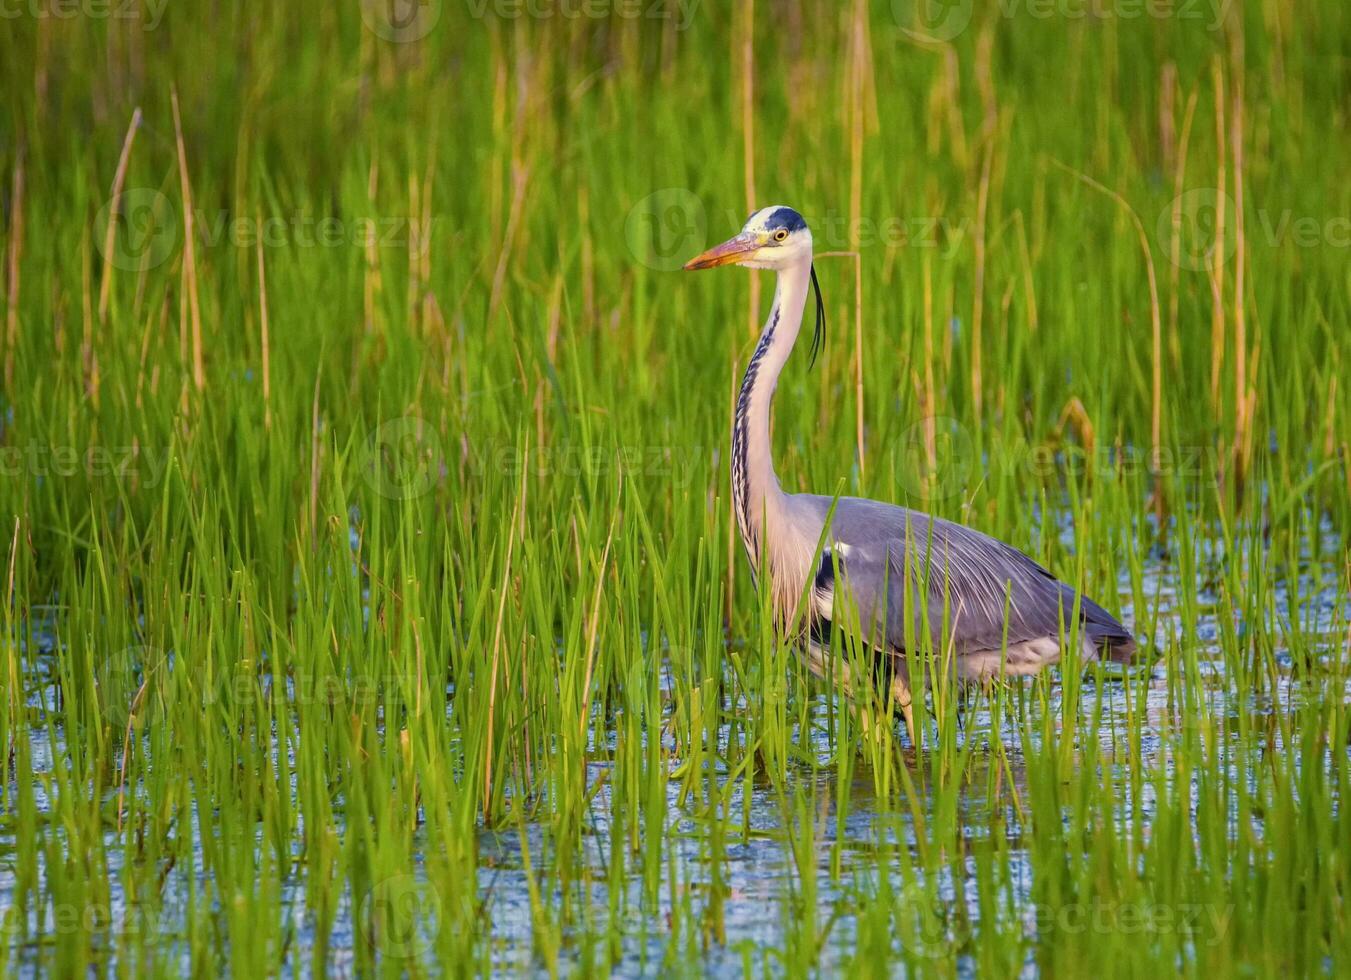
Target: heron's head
[(772, 238), (775, 237)]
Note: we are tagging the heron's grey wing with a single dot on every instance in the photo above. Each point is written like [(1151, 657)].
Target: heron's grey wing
[(890, 560)]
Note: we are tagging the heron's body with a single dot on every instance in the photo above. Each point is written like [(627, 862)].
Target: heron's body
[(906, 578)]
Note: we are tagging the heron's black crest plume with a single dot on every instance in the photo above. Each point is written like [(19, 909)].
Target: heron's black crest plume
[(819, 334)]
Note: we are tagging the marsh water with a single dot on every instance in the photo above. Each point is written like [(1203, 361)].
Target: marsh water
[(754, 870)]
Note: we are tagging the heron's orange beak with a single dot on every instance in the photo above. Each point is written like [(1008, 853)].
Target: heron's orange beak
[(730, 252)]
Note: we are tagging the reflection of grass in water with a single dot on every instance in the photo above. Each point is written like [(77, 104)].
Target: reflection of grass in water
[(520, 424)]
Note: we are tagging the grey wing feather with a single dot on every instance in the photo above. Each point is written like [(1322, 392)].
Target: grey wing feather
[(982, 581)]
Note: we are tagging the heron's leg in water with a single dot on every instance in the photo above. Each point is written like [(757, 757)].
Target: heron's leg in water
[(900, 690), (892, 673), (889, 672), (872, 726), (876, 723), (829, 667)]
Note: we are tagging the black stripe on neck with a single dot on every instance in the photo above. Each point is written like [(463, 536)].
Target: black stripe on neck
[(740, 441)]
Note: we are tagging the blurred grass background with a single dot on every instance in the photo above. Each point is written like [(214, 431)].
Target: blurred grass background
[(365, 457)]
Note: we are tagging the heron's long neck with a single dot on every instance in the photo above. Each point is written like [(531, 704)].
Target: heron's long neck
[(756, 494)]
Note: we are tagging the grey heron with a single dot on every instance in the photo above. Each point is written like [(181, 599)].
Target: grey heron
[(990, 609)]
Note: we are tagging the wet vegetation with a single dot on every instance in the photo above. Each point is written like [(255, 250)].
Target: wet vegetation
[(372, 602)]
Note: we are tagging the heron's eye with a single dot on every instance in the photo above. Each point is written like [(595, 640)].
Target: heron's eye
[(781, 235)]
